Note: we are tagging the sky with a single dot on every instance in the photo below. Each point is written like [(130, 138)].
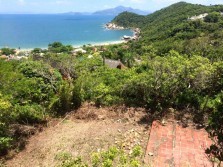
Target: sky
[(61, 6)]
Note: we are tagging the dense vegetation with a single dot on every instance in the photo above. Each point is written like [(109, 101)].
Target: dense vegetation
[(170, 28), (176, 63)]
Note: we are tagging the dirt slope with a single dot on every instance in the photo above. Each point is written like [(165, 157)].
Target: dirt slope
[(88, 130)]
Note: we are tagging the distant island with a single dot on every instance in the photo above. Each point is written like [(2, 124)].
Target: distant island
[(120, 9), (111, 11)]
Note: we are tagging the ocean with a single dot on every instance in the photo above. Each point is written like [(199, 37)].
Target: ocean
[(37, 31)]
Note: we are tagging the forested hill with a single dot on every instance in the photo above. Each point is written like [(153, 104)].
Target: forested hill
[(175, 13), (171, 28)]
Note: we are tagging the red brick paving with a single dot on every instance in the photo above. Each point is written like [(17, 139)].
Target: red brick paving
[(174, 146)]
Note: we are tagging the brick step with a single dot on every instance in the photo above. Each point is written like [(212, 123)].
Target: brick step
[(174, 146)]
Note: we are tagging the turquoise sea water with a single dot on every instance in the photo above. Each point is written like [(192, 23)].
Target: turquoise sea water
[(32, 31)]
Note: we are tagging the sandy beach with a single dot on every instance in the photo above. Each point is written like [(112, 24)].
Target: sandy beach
[(109, 43), (79, 46)]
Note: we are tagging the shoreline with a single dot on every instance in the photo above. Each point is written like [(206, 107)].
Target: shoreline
[(106, 43)]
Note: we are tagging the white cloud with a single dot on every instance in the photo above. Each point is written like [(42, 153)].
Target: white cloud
[(107, 6), (137, 1), (21, 2), (133, 1), (62, 2)]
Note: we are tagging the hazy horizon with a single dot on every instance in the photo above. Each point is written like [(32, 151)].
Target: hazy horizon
[(64, 6)]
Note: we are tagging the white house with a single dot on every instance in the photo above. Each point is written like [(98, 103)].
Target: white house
[(199, 17)]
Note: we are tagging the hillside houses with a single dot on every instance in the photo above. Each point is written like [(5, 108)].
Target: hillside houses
[(17, 55), (113, 63), (78, 50), (199, 17)]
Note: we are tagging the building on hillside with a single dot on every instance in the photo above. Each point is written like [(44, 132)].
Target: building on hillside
[(199, 17), (114, 63), (79, 50)]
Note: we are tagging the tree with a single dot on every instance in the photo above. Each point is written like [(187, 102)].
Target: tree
[(7, 51), (37, 50), (55, 45), (58, 47), (213, 17), (129, 59)]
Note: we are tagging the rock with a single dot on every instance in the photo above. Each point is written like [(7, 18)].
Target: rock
[(171, 110), (150, 154), (101, 117), (163, 122), (112, 26), (119, 121)]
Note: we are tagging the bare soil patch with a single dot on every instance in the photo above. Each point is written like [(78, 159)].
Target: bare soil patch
[(82, 132)]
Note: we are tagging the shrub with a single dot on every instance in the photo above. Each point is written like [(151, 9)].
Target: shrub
[(5, 144), (111, 158), (5, 140), (215, 129), (28, 114), (213, 17), (67, 160)]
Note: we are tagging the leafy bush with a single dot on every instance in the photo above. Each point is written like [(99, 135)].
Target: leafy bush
[(68, 161), (37, 69), (58, 47), (111, 158), (213, 17), (5, 140), (105, 90), (28, 114), (215, 129), (5, 144), (68, 98), (7, 51)]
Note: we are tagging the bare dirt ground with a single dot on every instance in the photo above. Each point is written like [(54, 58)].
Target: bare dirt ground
[(80, 133)]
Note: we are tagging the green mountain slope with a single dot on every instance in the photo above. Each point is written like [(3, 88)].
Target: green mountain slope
[(170, 28)]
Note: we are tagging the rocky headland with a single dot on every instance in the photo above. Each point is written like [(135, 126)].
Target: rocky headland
[(136, 31), (112, 26)]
